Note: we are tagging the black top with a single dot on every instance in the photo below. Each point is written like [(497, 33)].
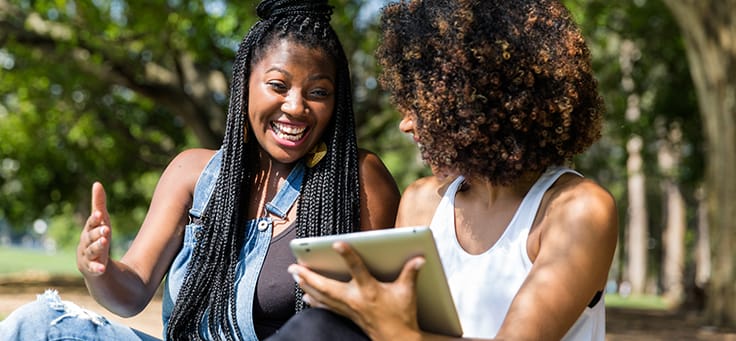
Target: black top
[(275, 301)]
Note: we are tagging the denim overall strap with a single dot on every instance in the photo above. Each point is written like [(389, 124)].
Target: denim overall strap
[(255, 248), (206, 185), (287, 195)]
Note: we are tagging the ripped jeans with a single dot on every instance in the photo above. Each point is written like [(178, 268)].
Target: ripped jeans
[(50, 318)]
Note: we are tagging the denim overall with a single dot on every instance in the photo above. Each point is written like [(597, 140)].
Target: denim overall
[(257, 240)]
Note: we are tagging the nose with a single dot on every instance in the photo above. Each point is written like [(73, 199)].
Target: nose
[(407, 124), (294, 103)]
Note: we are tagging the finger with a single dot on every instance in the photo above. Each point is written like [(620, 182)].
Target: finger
[(299, 273), (315, 284), (95, 268), (97, 255), (99, 246), (355, 264), (102, 232), (314, 303), (302, 275), (99, 202), (318, 299), (93, 221), (408, 275)]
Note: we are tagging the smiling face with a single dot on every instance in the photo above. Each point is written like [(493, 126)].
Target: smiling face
[(291, 100)]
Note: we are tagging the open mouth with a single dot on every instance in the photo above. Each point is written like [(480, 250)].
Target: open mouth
[(288, 132)]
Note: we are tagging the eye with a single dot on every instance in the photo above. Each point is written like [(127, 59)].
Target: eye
[(277, 86), (319, 93)]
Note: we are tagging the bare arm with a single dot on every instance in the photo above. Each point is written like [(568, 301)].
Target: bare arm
[(379, 194), (125, 287), (577, 237), (419, 202)]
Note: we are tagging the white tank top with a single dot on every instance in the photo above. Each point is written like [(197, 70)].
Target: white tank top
[(484, 285)]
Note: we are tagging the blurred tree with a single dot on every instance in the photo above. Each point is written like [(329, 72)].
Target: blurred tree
[(709, 30), (644, 79)]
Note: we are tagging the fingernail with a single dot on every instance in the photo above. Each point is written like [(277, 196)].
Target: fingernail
[(294, 274), (307, 299), (418, 264), (339, 247)]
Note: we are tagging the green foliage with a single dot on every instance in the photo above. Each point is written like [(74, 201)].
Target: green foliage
[(657, 79), (112, 90)]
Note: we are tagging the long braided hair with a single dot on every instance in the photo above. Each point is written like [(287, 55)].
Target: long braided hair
[(329, 200)]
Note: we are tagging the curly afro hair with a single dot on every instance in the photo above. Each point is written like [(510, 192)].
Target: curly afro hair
[(496, 88)]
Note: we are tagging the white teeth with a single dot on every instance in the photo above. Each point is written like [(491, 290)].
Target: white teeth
[(288, 132)]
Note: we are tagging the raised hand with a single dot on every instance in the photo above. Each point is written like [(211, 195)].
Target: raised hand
[(93, 251)]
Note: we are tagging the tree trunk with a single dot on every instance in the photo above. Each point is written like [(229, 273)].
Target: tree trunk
[(637, 236), (673, 234), (709, 32), (702, 246), (701, 254), (673, 237)]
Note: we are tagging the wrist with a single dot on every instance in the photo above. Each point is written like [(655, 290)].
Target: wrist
[(404, 334)]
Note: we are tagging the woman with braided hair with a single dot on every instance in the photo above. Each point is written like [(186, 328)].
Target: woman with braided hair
[(220, 221), (500, 96)]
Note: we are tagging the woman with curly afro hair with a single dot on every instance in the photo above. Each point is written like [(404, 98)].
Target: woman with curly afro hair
[(499, 96)]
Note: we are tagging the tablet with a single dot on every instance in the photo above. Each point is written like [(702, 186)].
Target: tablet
[(384, 253)]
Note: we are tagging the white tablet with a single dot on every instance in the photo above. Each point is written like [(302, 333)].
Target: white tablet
[(384, 253)]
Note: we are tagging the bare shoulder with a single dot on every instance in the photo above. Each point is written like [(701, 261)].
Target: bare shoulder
[(195, 158), (186, 167), (419, 201), (379, 193), (426, 187), (371, 165), (374, 172), (578, 211), (573, 197)]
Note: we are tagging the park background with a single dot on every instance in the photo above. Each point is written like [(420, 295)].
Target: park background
[(111, 90)]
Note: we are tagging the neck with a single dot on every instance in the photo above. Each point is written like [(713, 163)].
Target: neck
[(269, 168), (484, 190), (268, 178)]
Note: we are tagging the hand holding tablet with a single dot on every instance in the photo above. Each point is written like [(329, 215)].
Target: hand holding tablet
[(384, 253)]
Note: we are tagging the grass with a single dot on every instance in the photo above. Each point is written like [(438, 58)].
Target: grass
[(648, 302), (15, 260), (18, 261)]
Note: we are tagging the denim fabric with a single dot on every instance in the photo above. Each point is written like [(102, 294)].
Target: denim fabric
[(50, 318), (255, 246)]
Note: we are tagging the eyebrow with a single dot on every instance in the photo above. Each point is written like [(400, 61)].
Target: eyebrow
[(311, 78)]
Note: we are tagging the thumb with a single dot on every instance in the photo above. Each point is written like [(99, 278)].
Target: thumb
[(99, 201), (411, 269)]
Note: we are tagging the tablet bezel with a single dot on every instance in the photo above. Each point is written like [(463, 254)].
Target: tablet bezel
[(385, 252)]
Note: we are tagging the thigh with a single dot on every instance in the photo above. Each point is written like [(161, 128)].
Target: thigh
[(50, 318), (319, 324)]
